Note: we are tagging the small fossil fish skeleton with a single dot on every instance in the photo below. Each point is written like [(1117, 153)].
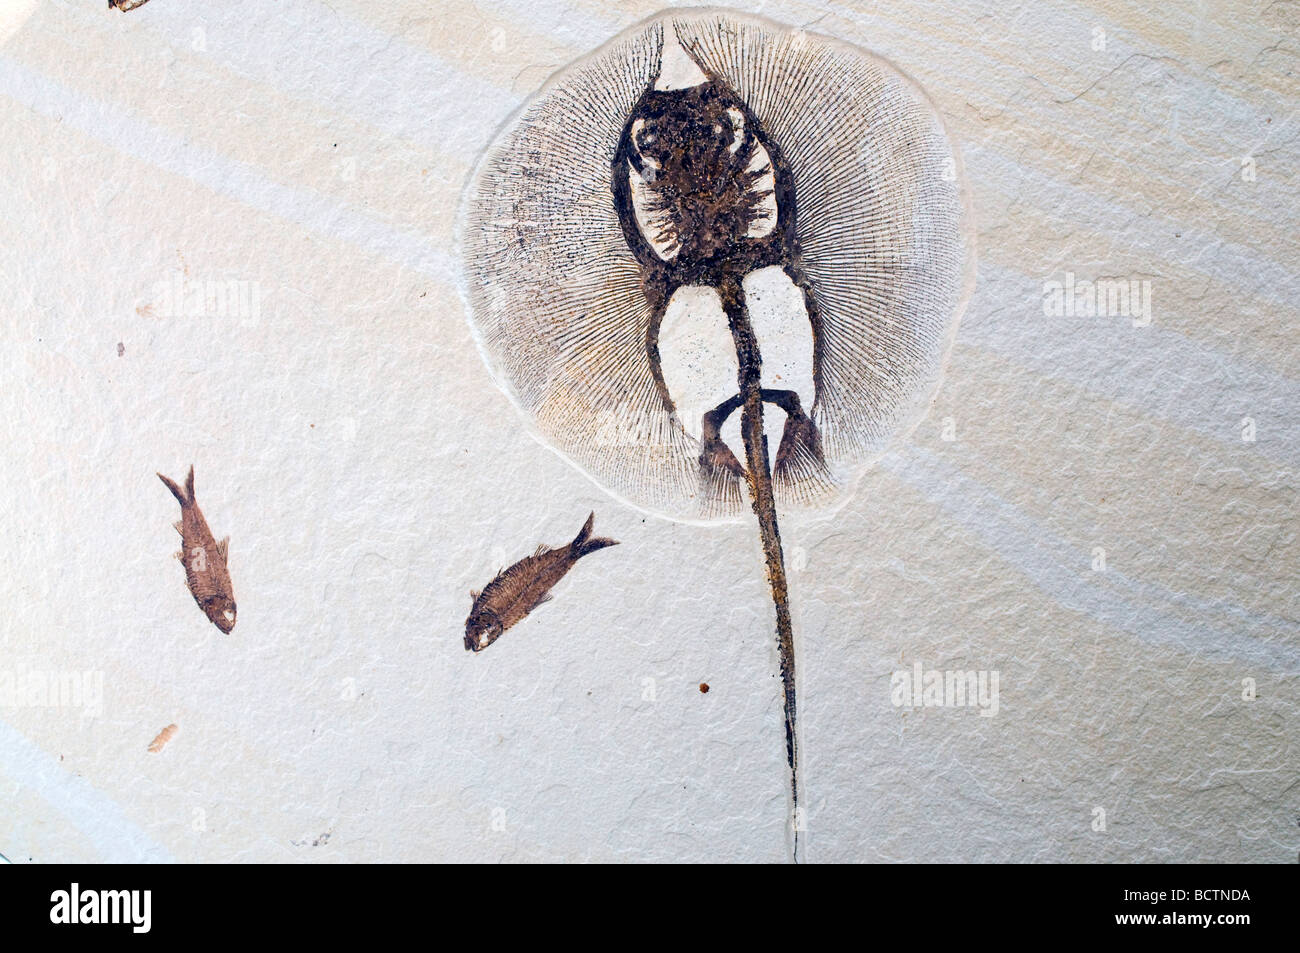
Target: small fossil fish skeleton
[(205, 560), (523, 587), (698, 153)]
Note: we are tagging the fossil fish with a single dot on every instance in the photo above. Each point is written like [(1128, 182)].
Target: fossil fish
[(523, 587), (730, 143), (705, 197), (206, 571)]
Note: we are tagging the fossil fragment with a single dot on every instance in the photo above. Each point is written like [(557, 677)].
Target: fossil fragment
[(163, 737)]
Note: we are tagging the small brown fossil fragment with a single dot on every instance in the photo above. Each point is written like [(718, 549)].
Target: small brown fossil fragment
[(204, 558), (125, 5), (163, 737), (523, 587)]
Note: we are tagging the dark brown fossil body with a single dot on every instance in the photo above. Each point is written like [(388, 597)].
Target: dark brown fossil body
[(862, 208), (205, 559), (705, 198), (523, 587)]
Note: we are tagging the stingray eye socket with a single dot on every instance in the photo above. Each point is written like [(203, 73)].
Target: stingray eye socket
[(737, 129), (646, 139), (642, 136)]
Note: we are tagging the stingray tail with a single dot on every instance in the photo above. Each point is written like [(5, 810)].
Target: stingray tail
[(758, 474)]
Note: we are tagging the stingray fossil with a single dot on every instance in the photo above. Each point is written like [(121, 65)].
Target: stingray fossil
[(625, 238)]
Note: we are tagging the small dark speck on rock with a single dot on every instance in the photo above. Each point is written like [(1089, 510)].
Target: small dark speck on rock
[(121, 349), (704, 688)]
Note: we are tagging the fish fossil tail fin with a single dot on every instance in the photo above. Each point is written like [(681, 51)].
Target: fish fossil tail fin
[(184, 497), (585, 543)]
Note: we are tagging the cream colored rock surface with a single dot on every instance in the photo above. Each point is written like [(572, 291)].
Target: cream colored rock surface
[(1100, 510)]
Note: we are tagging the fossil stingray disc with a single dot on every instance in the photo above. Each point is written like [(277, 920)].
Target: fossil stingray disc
[(883, 227)]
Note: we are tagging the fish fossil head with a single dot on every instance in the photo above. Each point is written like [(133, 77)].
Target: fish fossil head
[(482, 628), (220, 610)]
